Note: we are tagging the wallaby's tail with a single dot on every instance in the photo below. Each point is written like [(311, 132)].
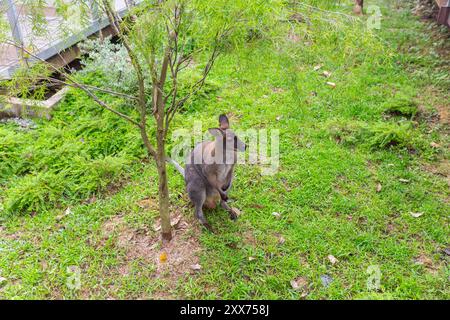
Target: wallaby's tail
[(176, 165)]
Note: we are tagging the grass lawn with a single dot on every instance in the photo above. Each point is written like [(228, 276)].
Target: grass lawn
[(363, 178)]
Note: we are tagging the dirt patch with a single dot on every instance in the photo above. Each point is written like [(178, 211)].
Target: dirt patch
[(148, 204), (248, 237), (441, 168), (277, 90), (426, 9), (4, 234), (170, 261), (429, 264), (438, 100), (443, 113)]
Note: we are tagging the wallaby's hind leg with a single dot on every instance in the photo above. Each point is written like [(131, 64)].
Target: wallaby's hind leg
[(198, 199), (233, 214), (201, 217)]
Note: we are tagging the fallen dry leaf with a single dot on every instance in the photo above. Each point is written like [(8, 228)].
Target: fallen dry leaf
[(277, 90), (163, 257), (318, 67), (258, 206), (331, 84), (146, 203), (299, 283), (173, 222), (67, 212), (326, 74), (416, 214), (332, 259), (44, 265), (251, 258), (236, 211), (379, 187), (293, 37), (281, 240), (276, 215), (91, 200), (435, 145), (196, 267), (424, 260)]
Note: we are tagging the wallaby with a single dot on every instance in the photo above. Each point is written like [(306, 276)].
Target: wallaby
[(209, 170)]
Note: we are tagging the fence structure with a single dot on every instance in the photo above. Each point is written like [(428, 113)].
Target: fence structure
[(54, 45)]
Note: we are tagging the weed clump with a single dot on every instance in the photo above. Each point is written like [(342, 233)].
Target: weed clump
[(377, 136), (79, 153), (401, 106)]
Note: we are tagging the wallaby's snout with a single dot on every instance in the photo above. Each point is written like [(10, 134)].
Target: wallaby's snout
[(209, 181)]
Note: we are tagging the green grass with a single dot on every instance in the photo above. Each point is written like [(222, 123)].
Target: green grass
[(336, 146)]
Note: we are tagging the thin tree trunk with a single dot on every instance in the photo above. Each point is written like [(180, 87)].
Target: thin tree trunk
[(166, 228), (358, 9), (158, 88)]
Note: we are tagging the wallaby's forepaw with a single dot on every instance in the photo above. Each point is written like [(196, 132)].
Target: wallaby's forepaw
[(233, 214)]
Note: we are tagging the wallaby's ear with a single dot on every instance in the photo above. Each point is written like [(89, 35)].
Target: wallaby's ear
[(223, 121), (215, 132)]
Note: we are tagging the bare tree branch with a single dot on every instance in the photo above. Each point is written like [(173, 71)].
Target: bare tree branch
[(176, 104), (113, 20)]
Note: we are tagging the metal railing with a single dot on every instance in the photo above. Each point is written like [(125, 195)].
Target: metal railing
[(49, 47)]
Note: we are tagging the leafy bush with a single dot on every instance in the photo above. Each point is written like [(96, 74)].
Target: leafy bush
[(383, 135), (33, 192), (401, 105), (79, 153), (377, 136), (10, 152), (99, 58)]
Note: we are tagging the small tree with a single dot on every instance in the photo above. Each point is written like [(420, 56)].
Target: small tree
[(161, 38)]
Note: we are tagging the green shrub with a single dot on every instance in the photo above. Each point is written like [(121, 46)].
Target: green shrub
[(401, 106), (10, 152), (89, 176), (377, 136), (384, 135), (43, 190), (80, 152), (33, 193)]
